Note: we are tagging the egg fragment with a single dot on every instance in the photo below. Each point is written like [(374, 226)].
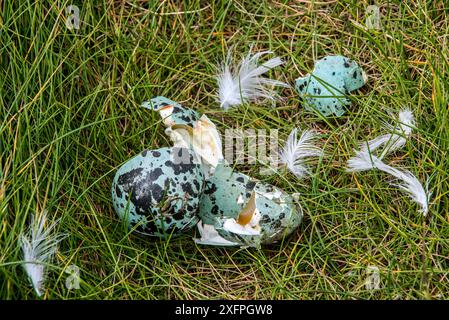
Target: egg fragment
[(236, 210), (158, 191), (327, 88), (172, 112), (187, 128)]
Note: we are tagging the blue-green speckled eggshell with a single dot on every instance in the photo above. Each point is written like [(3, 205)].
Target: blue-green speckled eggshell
[(280, 214), (327, 88), (158, 191)]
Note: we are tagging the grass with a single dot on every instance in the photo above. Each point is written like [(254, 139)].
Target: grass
[(70, 117)]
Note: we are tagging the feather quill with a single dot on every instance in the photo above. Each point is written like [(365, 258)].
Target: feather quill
[(295, 152), (38, 247), (394, 140), (363, 161), (245, 82)]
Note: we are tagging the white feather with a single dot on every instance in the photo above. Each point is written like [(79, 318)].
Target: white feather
[(295, 152), (38, 247), (397, 138), (245, 82), (363, 161), (411, 185)]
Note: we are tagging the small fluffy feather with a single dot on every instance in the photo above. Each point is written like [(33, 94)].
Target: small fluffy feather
[(394, 140), (38, 247), (296, 150), (363, 161), (245, 82)]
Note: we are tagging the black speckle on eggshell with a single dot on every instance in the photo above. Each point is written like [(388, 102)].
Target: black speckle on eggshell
[(155, 174), (250, 185), (210, 188), (118, 192)]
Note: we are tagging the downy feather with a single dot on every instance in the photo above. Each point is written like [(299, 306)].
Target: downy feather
[(245, 82), (295, 152), (38, 246), (394, 140), (363, 161)]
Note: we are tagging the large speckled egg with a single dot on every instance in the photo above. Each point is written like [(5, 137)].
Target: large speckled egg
[(158, 191), (273, 213)]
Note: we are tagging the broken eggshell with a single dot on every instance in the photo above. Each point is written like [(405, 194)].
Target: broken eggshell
[(327, 87), (172, 112), (159, 196), (187, 128), (236, 210), (158, 191)]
